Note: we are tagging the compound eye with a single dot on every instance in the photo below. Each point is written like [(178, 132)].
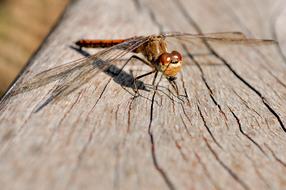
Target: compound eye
[(165, 59), (176, 55)]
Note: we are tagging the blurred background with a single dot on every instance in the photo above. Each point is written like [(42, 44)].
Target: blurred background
[(23, 26)]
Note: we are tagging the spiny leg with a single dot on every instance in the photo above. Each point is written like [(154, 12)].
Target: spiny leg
[(146, 74), (140, 59), (141, 76), (154, 79), (155, 87), (173, 83)]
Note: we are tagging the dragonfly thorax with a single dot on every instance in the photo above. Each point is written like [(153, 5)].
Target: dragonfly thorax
[(155, 51)]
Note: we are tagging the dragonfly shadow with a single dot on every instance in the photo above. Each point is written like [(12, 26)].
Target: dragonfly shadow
[(119, 76)]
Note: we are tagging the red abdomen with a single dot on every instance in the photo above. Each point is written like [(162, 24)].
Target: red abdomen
[(98, 43)]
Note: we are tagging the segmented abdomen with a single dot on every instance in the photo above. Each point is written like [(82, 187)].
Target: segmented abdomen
[(98, 43)]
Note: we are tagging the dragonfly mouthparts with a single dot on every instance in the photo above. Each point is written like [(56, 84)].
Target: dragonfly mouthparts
[(172, 78)]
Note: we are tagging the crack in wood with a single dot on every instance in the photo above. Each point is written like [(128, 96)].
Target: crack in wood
[(201, 168), (83, 150), (77, 121), (245, 103), (198, 29), (153, 151), (207, 127), (64, 116), (260, 95), (275, 156), (274, 35), (244, 133), (185, 89), (226, 168), (206, 84), (270, 73), (164, 175), (272, 28)]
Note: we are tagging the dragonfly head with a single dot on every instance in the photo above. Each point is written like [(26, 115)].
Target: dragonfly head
[(170, 63)]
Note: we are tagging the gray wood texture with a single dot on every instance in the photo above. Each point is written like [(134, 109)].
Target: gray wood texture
[(229, 133)]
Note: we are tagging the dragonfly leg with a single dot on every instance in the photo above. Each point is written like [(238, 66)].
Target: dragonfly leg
[(173, 84), (140, 59), (141, 76), (146, 74), (154, 79)]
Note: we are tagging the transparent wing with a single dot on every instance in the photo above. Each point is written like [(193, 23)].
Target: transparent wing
[(221, 37), (79, 72)]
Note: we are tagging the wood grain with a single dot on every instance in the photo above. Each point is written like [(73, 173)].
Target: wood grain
[(228, 133)]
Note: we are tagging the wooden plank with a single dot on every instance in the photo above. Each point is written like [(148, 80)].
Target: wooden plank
[(229, 132)]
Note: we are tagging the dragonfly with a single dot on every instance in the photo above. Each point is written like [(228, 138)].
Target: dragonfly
[(154, 54)]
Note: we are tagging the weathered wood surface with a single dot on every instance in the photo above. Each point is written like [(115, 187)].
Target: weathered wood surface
[(229, 134)]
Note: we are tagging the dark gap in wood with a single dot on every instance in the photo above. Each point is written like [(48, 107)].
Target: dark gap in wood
[(164, 175), (245, 103), (274, 35), (229, 171), (275, 156), (185, 89), (198, 29), (207, 127), (206, 84), (55, 129), (244, 133)]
